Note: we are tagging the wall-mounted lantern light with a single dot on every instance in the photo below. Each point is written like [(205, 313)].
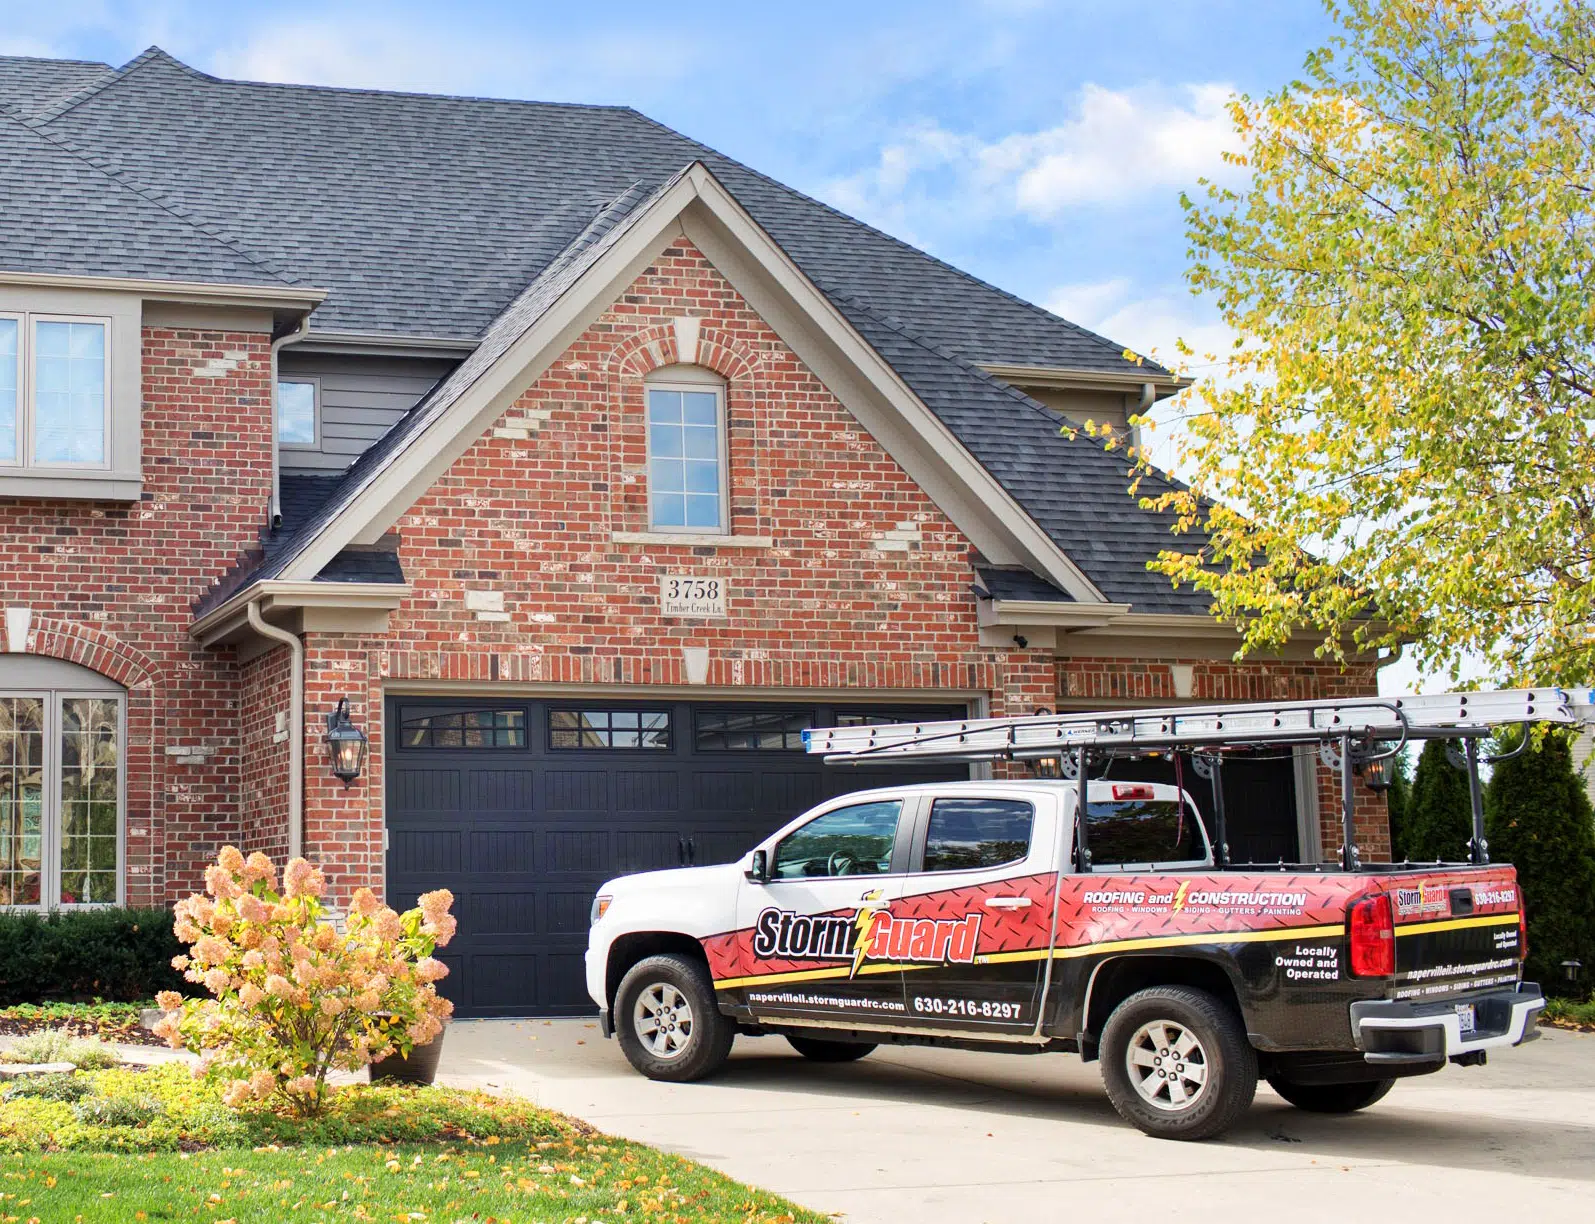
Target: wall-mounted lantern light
[(1377, 768), (346, 744)]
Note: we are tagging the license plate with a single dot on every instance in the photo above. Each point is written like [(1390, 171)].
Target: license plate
[(1467, 1018)]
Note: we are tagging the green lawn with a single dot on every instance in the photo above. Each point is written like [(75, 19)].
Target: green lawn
[(391, 1153)]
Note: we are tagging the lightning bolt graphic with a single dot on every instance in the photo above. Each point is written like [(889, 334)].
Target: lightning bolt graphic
[(866, 923), (1179, 897)]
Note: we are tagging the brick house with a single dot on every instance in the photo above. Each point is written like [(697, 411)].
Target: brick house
[(584, 464)]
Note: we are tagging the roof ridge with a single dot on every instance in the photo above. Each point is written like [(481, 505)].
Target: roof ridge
[(1117, 349), (66, 146), (53, 59), (104, 81)]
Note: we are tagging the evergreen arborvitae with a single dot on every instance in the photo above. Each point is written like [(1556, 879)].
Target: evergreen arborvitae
[(1399, 798), (1540, 821), (1438, 819)]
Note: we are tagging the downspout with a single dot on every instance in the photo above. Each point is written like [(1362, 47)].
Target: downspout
[(277, 345), (296, 724), (1148, 398)]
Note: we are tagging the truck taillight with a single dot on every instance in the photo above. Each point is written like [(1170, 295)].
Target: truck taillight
[(1372, 928), (1124, 791)]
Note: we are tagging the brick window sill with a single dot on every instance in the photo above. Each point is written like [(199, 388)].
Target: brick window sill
[(690, 538)]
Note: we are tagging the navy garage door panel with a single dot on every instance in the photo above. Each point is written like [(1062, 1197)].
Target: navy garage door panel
[(523, 833)]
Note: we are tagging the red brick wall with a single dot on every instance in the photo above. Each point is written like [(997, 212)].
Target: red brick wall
[(865, 586), (112, 585), (264, 685), (1082, 680)]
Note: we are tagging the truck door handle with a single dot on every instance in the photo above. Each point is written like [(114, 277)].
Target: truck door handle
[(1009, 903)]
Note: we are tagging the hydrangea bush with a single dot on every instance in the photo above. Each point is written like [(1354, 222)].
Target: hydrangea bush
[(294, 994)]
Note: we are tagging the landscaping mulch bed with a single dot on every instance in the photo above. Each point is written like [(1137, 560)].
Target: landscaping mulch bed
[(107, 1021)]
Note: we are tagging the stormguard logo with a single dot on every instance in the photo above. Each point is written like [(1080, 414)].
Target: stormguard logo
[(865, 935)]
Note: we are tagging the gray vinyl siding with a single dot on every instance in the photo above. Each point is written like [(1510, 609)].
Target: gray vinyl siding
[(361, 398)]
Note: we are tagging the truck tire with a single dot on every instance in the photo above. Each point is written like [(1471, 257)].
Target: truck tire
[(818, 1050), (1177, 1064), (667, 1022), (1332, 1098)]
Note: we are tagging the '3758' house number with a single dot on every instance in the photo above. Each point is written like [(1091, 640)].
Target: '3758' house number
[(688, 595)]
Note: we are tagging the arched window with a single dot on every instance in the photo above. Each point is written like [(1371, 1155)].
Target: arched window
[(61, 784), (687, 462)]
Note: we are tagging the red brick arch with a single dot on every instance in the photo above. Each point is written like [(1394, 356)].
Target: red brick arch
[(92, 648), (652, 348)]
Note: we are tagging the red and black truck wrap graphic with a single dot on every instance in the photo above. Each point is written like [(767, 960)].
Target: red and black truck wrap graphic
[(956, 959)]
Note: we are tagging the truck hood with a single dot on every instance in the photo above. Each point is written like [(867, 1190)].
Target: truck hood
[(718, 880)]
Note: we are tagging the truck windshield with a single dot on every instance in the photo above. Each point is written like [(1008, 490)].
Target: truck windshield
[(1143, 831)]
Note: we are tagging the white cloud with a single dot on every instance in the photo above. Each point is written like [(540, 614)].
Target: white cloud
[(1114, 146)]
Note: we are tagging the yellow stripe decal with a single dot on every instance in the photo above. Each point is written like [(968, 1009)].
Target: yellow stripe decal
[(1457, 924), (1035, 954)]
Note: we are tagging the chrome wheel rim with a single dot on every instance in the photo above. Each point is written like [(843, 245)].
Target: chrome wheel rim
[(662, 1019), (1167, 1065)]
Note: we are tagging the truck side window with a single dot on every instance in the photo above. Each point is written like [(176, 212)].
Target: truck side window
[(973, 833), (849, 841), (1144, 831)]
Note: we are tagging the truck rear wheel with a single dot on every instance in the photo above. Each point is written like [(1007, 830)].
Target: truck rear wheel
[(667, 1021), (1177, 1064), (818, 1050), (1332, 1098)]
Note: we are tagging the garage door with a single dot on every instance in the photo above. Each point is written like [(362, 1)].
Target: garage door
[(522, 808)]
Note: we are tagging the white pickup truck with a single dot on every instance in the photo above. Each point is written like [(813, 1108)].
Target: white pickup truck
[(958, 914)]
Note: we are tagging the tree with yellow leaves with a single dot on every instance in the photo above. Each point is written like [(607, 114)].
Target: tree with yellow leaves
[(1402, 442)]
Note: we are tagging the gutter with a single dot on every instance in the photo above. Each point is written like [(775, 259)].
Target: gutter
[(277, 346), (296, 725)]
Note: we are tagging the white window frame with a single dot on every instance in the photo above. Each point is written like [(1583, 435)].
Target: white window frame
[(21, 319), (50, 851), (27, 409), (315, 411), (678, 379)]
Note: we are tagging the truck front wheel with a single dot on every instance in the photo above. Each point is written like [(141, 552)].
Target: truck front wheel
[(1177, 1064), (667, 1022), (1332, 1098)]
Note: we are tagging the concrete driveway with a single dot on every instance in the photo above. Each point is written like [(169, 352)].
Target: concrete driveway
[(926, 1136)]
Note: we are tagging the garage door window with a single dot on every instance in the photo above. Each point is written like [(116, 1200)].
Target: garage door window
[(967, 834), (751, 731), (463, 729), (641, 730)]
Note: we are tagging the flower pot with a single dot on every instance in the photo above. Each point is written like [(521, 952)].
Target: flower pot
[(421, 1067)]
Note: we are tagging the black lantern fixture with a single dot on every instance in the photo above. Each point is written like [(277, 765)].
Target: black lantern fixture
[(346, 744), (1572, 969), (1378, 772), (1046, 767)]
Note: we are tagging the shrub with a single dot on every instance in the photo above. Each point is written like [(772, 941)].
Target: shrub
[(295, 995), (1438, 817), (117, 954), (67, 1088), (58, 1046), (121, 1110), (1540, 822)]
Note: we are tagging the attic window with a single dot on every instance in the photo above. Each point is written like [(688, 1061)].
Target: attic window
[(298, 412), (686, 451)]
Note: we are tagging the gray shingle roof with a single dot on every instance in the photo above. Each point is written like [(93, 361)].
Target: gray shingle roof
[(1012, 582), (29, 86), (62, 214), (428, 215)]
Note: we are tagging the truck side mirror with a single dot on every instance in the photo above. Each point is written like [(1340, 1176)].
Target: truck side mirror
[(759, 868)]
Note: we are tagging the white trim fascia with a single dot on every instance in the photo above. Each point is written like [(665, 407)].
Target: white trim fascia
[(382, 343), (392, 490), (1055, 613), (418, 466), (1064, 377), (1027, 539), (274, 593), (175, 291)]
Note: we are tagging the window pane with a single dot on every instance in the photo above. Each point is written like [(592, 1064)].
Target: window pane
[(973, 833), (751, 730), (89, 770), (1143, 831), (702, 443), (495, 728), (21, 799), (703, 511), (850, 841), (699, 408), (9, 381), (627, 730), (296, 413), (69, 400), (669, 510)]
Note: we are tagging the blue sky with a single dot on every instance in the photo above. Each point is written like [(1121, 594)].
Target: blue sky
[(1039, 145)]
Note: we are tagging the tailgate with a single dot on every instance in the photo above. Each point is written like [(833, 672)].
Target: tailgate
[(1456, 930)]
